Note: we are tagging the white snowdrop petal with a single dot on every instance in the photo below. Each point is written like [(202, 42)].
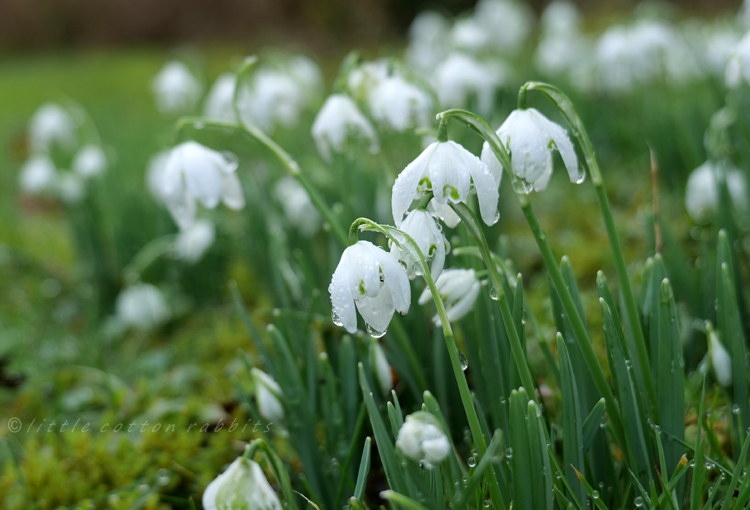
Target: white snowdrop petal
[(341, 295), (396, 281), (487, 191), (449, 176), (364, 270), (377, 311), (493, 165), (182, 207), (444, 212), (232, 195), (405, 187), (564, 146), (464, 305)]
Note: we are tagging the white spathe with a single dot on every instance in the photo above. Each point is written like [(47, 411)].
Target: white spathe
[(702, 192), (268, 396), (451, 173), (374, 281), (458, 288), (38, 176), (421, 226), (530, 138), (720, 359), (194, 173), (219, 104), (400, 105), (90, 161), (337, 120), (297, 205), (192, 242), (175, 88), (421, 439), (242, 485), (52, 124), (142, 306)]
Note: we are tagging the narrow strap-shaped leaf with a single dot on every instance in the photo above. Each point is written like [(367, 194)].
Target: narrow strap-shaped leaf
[(364, 470), (696, 487), (592, 424), (539, 459), (401, 500), (521, 461), (572, 440), (739, 471)]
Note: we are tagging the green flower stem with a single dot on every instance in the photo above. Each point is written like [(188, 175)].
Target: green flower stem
[(566, 107), (147, 255), (519, 354), (450, 341)]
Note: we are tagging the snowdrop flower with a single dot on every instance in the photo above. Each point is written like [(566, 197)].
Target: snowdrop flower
[(175, 89), (219, 104), (530, 138), (718, 44), (445, 212), (460, 77), (374, 281), (362, 79), (738, 65), (427, 41), (561, 47), (338, 119), (702, 193), (273, 98), (422, 440), (38, 176), (561, 16), (507, 22), (268, 396), (298, 208), (381, 368), (52, 124), (193, 241), (400, 104), (720, 359), (458, 289), (468, 34), (70, 188), (242, 485), (450, 172), (194, 173), (307, 73), (90, 161), (424, 230), (142, 306), (155, 174)]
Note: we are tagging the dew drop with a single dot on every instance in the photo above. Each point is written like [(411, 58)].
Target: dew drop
[(464, 362), (472, 462), (374, 332), (232, 160), (581, 175), (638, 501), (336, 319), (509, 453), (494, 293)]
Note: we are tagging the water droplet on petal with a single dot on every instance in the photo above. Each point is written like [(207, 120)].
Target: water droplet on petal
[(374, 332), (336, 319), (581, 175)]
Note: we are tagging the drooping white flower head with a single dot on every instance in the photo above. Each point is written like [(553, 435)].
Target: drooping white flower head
[(268, 397), (720, 359), (175, 89), (242, 485), (307, 73), (562, 48), (90, 161), (400, 104), (468, 34), (427, 41), (422, 440), (422, 227), (718, 43), (219, 102), (193, 241), (142, 306), (530, 137), (272, 98), (298, 208), (451, 173), (381, 368), (374, 281), (459, 289), (445, 212), (38, 176), (738, 65), (459, 77), (338, 119), (155, 174), (194, 173), (52, 124), (70, 188), (368, 75), (702, 192), (507, 22), (561, 16)]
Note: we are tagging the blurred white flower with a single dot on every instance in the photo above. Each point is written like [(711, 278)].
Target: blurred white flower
[(338, 119), (424, 230), (381, 369), (562, 48), (507, 22), (561, 16), (427, 41), (451, 173), (400, 104), (468, 34), (459, 77), (193, 241), (458, 289), (141, 306), (718, 42), (374, 281), (219, 104), (307, 73), (70, 188), (530, 138), (194, 173), (720, 359), (38, 176), (272, 98), (242, 485), (702, 192), (155, 174), (175, 89), (738, 65), (298, 208), (90, 161), (52, 124), (268, 397), (422, 440), (363, 78)]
